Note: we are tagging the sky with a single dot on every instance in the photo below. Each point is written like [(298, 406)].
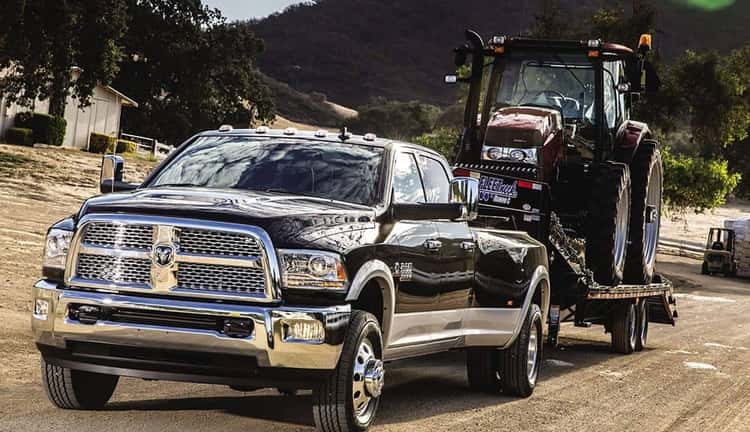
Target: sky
[(245, 9)]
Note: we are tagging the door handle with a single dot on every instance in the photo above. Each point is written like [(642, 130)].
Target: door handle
[(433, 245), (468, 246)]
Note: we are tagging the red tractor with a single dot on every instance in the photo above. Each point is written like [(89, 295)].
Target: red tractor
[(548, 132)]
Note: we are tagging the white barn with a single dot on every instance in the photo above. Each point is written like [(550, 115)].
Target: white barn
[(102, 116)]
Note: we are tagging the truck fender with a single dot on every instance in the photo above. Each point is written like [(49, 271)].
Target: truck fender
[(379, 271), (539, 281), (629, 137)]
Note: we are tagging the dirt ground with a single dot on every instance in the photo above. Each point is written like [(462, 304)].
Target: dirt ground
[(693, 377)]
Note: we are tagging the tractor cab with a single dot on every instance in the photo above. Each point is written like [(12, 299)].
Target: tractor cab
[(719, 254)]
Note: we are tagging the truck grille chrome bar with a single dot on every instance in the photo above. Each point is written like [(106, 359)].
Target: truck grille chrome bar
[(174, 257)]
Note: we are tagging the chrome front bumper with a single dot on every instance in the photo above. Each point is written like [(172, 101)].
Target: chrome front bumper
[(268, 344)]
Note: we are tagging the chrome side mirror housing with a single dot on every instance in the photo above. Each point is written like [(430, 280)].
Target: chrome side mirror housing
[(465, 191), (111, 174)]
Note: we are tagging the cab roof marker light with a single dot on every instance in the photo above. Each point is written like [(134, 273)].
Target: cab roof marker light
[(226, 128), (290, 131), (321, 133), (262, 130), (369, 137)]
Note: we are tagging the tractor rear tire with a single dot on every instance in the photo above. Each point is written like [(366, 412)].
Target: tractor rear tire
[(645, 213), (607, 223)]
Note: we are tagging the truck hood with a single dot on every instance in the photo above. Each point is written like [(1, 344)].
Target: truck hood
[(290, 220), (522, 127)]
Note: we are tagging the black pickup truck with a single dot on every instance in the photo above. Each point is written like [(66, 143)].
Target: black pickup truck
[(263, 258)]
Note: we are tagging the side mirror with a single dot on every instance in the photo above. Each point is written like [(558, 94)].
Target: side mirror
[(460, 58), (465, 191), (111, 175)]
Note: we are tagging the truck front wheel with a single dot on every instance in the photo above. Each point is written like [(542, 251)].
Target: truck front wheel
[(74, 389), (348, 399)]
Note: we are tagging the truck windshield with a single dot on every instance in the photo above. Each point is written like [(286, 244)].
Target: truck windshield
[(563, 81), (337, 171)]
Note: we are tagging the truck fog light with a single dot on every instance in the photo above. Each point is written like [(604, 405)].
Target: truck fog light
[(304, 331), (41, 309)]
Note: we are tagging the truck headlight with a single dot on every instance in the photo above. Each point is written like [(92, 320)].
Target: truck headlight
[(311, 269), (525, 155), (56, 252)]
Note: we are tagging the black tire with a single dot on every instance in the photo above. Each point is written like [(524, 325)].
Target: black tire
[(645, 171), (607, 224), (704, 268), (642, 328), (333, 405), (74, 389), (517, 379), (624, 328), (482, 369)]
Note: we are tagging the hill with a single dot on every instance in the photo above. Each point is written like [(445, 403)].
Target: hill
[(357, 50)]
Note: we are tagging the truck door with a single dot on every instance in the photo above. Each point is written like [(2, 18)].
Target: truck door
[(457, 253), (417, 267)]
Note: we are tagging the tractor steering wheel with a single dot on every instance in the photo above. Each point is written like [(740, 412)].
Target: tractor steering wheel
[(551, 95)]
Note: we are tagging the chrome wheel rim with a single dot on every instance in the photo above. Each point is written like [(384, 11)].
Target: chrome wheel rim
[(644, 323), (633, 334), (368, 378), (653, 215), (621, 231), (532, 357)]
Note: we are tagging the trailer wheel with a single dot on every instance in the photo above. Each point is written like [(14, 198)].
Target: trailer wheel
[(348, 399), (520, 362), (645, 213), (624, 328), (607, 223), (642, 317), (78, 390)]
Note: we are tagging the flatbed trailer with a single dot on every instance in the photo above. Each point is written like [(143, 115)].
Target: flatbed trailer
[(524, 204)]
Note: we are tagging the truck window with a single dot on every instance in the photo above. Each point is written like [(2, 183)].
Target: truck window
[(407, 186), (436, 182)]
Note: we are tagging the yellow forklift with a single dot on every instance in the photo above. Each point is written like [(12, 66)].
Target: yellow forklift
[(719, 254)]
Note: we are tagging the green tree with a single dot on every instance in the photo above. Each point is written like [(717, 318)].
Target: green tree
[(397, 120), (41, 40), (442, 140), (190, 70), (695, 182)]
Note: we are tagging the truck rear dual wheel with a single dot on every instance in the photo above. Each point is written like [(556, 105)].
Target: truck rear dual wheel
[(645, 215), (607, 223), (348, 399), (513, 370), (74, 389)]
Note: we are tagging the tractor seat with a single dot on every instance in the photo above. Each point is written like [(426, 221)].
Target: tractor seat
[(717, 246)]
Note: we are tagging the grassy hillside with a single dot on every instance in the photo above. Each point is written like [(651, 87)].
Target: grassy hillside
[(355, 50)]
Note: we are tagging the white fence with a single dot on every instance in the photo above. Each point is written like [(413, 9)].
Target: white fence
[(149, 145)]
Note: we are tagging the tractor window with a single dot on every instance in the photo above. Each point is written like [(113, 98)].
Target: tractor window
[(610, 95), (564, 81)]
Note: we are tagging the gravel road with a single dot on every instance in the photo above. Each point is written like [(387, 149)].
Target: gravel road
[(693, 377)]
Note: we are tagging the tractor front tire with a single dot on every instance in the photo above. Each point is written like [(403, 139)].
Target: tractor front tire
[(645, 213), (607, 223)]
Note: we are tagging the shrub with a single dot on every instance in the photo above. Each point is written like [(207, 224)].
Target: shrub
[(696, 183), (396, 120), (125, 146), (100, 143), (442, 140), (47, 129), (20, 136)]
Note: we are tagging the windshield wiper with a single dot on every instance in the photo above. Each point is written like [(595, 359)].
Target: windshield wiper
[(175, 185)]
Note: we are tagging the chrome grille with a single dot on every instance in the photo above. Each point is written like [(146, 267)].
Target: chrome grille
[(197, 241), (207, 277), (114, 269), (119, 235), (209, 259)]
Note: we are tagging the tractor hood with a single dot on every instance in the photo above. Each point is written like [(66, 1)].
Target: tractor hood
[(522, 127)]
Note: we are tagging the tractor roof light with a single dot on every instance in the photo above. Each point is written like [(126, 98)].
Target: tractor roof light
[(594, 43), (644, 44)]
